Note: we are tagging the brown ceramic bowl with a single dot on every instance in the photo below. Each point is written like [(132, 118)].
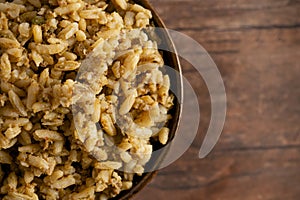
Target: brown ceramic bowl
[(171, 60)]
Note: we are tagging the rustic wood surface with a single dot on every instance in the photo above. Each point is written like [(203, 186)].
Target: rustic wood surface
[(256, 45)]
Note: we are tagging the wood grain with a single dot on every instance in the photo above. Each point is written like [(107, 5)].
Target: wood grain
[(256, 46)]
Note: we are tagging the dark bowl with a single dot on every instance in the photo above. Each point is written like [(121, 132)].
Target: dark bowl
[(171, 59)]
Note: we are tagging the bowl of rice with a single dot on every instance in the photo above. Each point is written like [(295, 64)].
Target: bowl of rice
[(84, 98)]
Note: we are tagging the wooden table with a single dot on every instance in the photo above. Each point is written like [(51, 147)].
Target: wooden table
[(256, 45)]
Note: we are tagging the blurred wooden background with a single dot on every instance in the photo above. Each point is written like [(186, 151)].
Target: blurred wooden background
[(256, 45)]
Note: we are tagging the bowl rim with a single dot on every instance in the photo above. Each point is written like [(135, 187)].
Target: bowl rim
[(147, 177)]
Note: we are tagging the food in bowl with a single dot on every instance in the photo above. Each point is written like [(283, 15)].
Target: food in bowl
[(82, 93)]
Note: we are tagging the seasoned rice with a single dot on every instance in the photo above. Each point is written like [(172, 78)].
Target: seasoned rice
[(82, 93)]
